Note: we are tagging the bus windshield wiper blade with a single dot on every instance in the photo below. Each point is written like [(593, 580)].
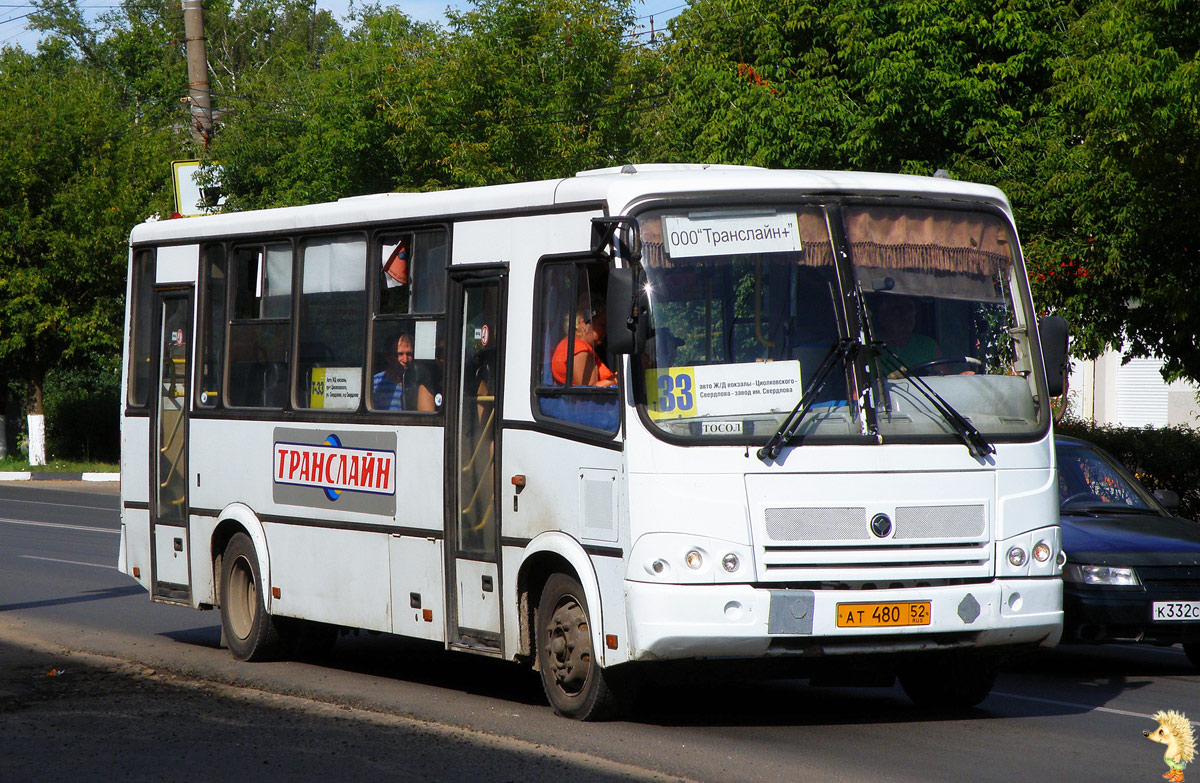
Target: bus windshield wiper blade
[(840, 352), (972, 438)]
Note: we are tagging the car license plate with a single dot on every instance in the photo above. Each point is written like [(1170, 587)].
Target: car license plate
[(1175, 611), (883, 614)]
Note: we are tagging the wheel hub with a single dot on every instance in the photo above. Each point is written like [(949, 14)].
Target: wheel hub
[(570, 646)]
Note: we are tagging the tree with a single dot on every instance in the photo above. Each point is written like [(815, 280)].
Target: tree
[(1116, 248), (75, 174), (512, 90)]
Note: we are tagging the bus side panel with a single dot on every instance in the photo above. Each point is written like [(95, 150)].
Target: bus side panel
[(331, 576), (574, 488), (418, 608), (204, 590), (135, 488), (136, 539), (135, 452)]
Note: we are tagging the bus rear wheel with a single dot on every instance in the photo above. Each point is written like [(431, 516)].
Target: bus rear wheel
[(575, 683), (249, 631)]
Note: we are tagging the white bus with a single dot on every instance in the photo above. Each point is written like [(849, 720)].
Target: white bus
[(818, 428)]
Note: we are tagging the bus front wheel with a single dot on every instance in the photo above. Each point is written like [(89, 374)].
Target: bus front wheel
[(575, 683), (952, 682), (248, 629)]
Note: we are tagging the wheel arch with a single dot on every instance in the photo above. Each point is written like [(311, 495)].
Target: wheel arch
[(238, 518), (547, 554)]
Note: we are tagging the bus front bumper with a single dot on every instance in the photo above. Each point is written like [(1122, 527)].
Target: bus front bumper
[(670, 622)]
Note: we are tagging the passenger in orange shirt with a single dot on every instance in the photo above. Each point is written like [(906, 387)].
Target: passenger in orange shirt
[(587, 369)]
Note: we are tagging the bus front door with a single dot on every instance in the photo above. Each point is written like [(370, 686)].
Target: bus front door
[(168, 458), (472, 455)]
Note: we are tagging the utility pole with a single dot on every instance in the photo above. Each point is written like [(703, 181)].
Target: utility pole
[(199, 95)]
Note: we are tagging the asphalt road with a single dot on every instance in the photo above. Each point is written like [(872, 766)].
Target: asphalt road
[(97, 681)]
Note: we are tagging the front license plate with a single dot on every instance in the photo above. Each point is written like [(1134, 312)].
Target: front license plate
[(877, 615), (1175, 611)]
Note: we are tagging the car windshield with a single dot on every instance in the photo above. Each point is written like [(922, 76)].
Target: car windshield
[(1089, 479), (746, 305)]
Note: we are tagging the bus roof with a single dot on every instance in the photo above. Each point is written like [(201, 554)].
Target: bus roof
[(616, 188)]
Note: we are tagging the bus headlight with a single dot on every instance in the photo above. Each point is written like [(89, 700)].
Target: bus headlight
[(694, 560), (1016, 557), (730, 562), (1041, 552)]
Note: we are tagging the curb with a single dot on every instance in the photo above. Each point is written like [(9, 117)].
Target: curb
[(31, 475)]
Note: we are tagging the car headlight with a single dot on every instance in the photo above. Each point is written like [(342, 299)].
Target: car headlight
[(1100, 575)]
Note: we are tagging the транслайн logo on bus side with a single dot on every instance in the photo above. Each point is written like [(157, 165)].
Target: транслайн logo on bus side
[(335, 469)]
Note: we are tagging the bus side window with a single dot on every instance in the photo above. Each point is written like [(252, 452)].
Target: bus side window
[(212, 328), (407, 335), (142, 328), (260, 329), (332, 322), (570, 329), (412, 272)]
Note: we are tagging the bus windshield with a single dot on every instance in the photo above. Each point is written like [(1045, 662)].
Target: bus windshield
[(745, 306)]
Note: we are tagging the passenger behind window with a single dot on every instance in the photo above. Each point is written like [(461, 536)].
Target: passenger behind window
[(404, 385), (590, 330)]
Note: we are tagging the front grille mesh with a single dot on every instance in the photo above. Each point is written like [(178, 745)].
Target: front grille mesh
[(817, 524), (915, 522)]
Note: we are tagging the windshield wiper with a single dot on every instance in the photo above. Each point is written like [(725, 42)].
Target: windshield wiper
[(978, 445), (839, 353)]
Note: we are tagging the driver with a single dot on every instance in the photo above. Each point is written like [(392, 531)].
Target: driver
[(896, 318)]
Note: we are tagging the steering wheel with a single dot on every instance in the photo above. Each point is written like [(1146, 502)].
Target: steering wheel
[(1079, 496), (971, 361)]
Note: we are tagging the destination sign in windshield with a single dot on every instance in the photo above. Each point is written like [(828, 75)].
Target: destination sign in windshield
[(688, 236)]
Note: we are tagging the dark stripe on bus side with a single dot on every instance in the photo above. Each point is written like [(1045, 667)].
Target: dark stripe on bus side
[(333, 524)]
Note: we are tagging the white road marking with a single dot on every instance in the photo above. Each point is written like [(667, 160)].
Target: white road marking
[(84, 528), (68, 562), (61, 505)]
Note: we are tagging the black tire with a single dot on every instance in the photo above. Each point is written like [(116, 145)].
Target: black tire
[(247, 628), (1192, 650), (949, 683), (575, 684)]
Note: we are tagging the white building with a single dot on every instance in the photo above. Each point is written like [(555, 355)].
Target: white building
[(1106, 391)]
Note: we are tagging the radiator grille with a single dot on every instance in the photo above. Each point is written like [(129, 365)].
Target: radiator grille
[(915, 522), (817, 524)]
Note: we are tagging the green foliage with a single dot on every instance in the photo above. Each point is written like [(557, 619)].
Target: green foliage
[(908, 86), (83, 414), (512, 90), (1161, 458), (1116, 249), (74, 176)]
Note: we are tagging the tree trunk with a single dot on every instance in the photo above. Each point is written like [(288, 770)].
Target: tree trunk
[(35, 416)]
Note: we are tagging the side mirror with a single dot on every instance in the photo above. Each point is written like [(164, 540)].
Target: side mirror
[(1168, 498), (1054, 333), (622, 322)]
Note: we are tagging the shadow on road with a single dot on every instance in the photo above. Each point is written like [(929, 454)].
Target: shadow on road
[(85, 597), (1068, 681), (63, 720)]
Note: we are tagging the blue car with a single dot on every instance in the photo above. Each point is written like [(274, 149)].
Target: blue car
[(1133, 567)]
